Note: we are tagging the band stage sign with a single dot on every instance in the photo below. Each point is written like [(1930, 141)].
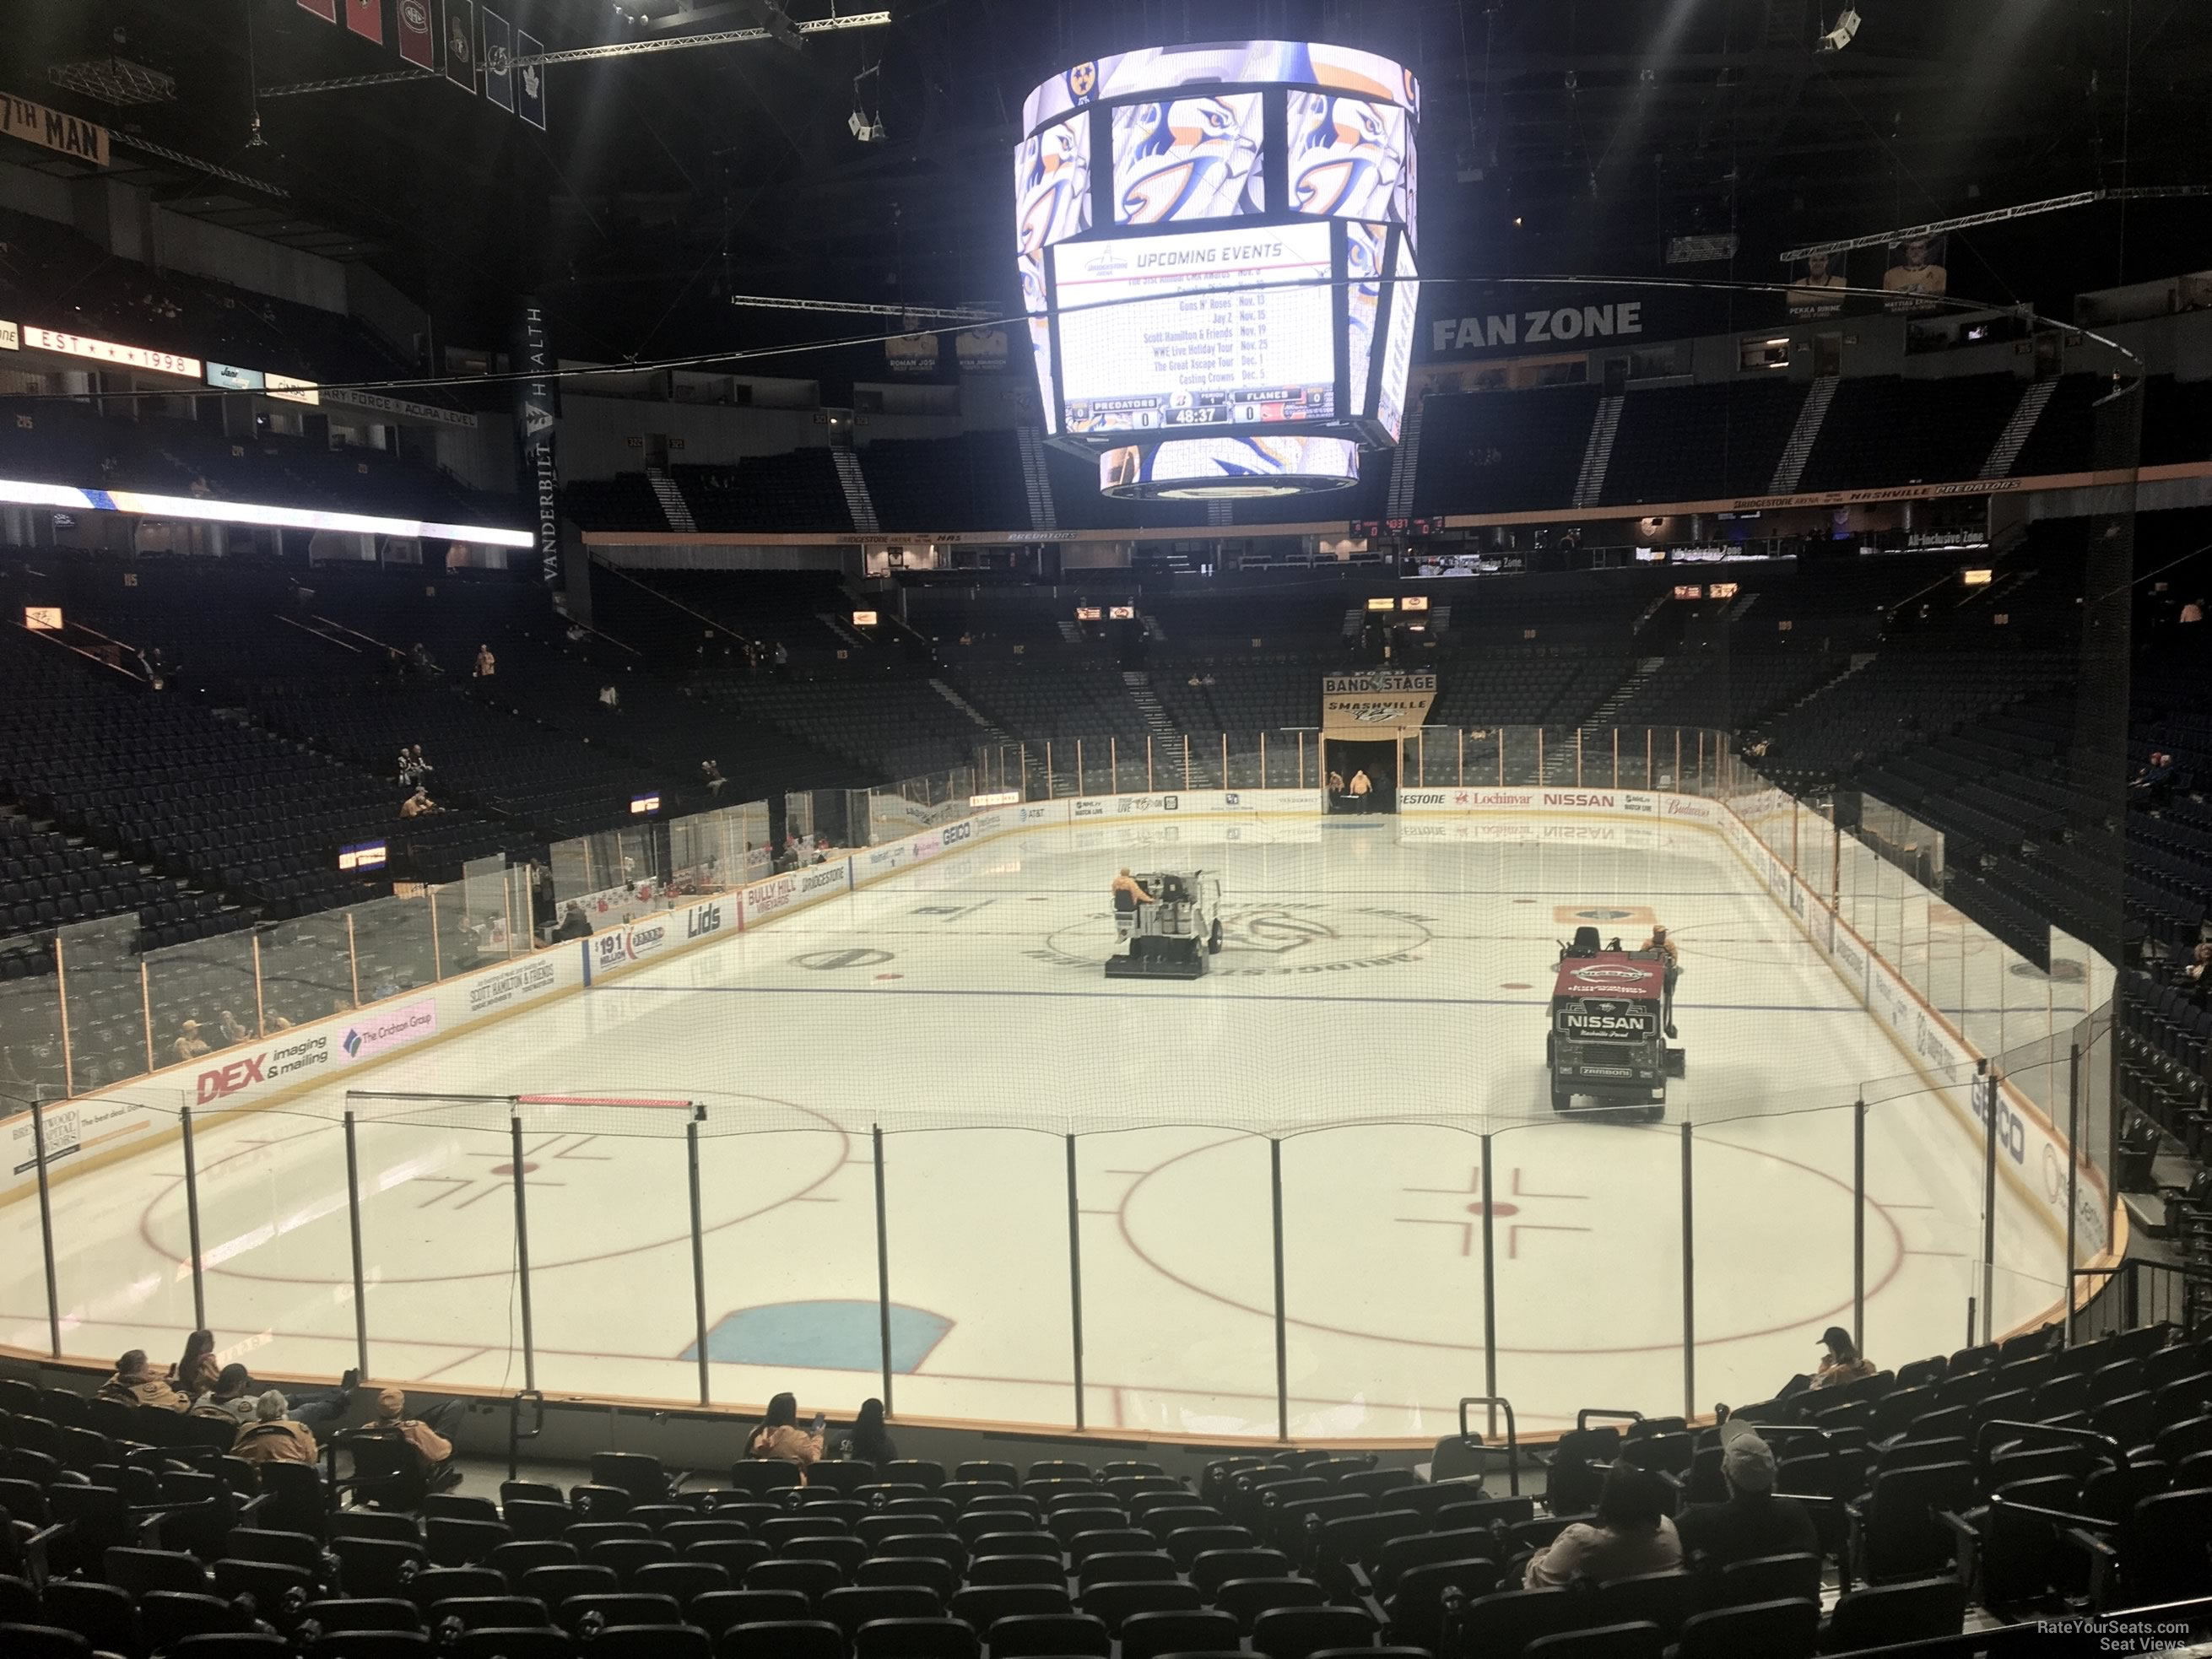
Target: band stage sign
[(1375, 705)]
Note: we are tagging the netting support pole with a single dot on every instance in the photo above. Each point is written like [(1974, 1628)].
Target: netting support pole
[(1282, 1318), (1075, 1278), (1080, 781), (1689, 1280), (1578, 757), (698, 1253), (522, 1254), (1858, 1224), (353, 961), (360, 1278), (2072, 1173), (192, 1217), (146, 1001), (1149, 786), (1462, 757), (46, 1229), (883, 1264), (1986, 1086), (1616, 759), (1490, 1273), (68, 1069)]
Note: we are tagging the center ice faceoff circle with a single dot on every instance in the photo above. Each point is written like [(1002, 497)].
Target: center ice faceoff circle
[(1384, 1234), (1270, 938)]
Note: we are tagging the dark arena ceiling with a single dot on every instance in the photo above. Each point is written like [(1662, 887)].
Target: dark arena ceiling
[(1559, 136)]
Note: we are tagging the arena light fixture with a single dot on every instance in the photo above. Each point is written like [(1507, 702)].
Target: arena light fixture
[(1845, 31), (23, 492)]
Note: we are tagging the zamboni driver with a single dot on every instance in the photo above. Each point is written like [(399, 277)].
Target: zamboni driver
[(1659, 941), (1128, 893)]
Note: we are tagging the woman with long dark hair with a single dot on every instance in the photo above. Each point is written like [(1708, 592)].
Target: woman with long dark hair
[(872, 1442), (197, 1370)]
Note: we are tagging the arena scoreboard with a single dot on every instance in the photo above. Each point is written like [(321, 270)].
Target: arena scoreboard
[(1217, 248)]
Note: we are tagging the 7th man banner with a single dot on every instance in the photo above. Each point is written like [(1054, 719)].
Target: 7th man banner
[(1380, 705)]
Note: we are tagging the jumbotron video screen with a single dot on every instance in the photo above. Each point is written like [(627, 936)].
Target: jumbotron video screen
[(1219, 241)]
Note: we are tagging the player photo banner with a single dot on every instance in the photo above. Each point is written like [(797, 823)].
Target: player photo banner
[(1816, 286), (529, 80), (1375, 705), (366, 18), (326, 9), (498, 61), (461, 43), (417, 34), (1915, 278)]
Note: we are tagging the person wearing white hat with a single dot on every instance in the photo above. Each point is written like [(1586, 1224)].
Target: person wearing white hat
[(188, 1045), (1754, 1521)]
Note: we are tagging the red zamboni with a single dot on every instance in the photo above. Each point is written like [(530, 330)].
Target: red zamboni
[(1607, 1040)]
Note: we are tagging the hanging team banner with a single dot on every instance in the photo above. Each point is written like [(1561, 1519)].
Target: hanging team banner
[(66, 135), (416, 35), (1915, 278), (498, 61), (1383, 704), (461, 43), (537, 416), (366, 18), (529, 80)]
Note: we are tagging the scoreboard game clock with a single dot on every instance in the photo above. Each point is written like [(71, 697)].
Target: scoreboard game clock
[(1216, 247)]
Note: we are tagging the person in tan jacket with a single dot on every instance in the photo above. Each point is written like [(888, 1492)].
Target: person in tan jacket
[(426, 1438), (780, 1435), (135, 1385), (272, 1437)]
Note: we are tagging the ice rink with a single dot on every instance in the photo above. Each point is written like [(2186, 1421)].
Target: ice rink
[(1379, 1004)]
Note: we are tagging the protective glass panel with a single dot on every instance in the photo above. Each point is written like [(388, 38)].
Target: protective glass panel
[(203, 998), (482, 896), (306, 969), (276, 1238), (1382, 1278), (1771, 1276), (394, 948), (116, 1288), (104, 1003), (1007, 1358), (439, 1242), (30, 1025), (1560, 1193), (790, 1242), (1178, 1281)]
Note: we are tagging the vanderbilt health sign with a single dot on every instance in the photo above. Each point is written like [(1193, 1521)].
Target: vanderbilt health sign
[(1375, 705)]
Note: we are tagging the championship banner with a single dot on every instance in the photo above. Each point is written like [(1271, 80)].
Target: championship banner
[(1375, 705), (416, 34), (461, 43), (366, 18), (498, 61)]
